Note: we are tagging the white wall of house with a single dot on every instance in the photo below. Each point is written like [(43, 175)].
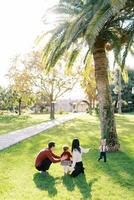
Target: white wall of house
[(70, 106)]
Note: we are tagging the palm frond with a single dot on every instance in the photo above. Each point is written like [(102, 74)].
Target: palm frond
[(72, 58), (101, 17), (55, 40), (127, 46), (86, 19), (40, 37), (57, 49), (66, 9), (117, 5), (97, 23), (116, 45)]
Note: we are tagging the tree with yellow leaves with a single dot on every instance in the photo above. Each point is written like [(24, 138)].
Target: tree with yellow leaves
[(19, 83)]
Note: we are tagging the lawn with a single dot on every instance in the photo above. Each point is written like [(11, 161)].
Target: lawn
[(14, 122), (113, 180)]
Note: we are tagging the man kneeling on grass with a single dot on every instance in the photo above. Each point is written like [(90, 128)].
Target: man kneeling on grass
[(46, 157)]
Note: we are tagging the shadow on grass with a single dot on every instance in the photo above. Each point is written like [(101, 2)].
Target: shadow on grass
[(120, 169), (45, 183), (81, 183)]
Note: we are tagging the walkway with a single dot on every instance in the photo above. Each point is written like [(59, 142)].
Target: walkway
[(14, 137)]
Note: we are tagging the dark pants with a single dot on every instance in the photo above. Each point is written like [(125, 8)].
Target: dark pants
[(102, 155), (45, 164), (78, 169)]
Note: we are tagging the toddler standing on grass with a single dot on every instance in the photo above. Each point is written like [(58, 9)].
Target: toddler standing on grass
[(103, 148), (67, 162)]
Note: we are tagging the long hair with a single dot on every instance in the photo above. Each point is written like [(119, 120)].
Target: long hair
[(76, 145)]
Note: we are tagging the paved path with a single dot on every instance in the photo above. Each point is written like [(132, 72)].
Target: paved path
[(14, 137)]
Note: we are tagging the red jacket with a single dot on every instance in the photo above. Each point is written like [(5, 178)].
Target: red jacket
[(68, 154), (46, 153)]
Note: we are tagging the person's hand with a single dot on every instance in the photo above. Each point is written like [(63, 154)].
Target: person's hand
[(63, 158)]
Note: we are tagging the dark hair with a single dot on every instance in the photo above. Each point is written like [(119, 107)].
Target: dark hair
[(51, 144), (76, 145)]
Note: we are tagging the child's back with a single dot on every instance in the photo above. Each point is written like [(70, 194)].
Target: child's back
[(67, 154), (67, 162)]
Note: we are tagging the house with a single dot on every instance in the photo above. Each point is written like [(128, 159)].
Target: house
[(68, 105)]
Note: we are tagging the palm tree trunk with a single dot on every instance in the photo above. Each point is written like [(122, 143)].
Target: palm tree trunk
[(108, 127), (119, 94)]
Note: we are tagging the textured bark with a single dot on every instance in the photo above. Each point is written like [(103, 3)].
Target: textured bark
[(108, 126)]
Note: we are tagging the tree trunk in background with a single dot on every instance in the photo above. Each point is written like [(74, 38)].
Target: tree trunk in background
[(19, 106), (119, 94), (52, 110), (108, 127)]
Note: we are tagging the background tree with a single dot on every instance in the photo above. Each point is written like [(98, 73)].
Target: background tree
[(19, 83), (40, 103), (52, 85), (126, 93), (118, 88), (7, 99), (2, 97)]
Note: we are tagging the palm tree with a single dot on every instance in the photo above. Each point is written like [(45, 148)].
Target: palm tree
[(102, 25)]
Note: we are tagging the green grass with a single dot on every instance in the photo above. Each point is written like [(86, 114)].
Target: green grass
[(10, 123), (113, 180)]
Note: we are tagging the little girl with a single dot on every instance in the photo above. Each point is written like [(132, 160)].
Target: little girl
[(77, 151), (103, 148), (67, 162)]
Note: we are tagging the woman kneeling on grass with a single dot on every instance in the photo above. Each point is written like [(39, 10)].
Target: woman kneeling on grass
[(77, 151)]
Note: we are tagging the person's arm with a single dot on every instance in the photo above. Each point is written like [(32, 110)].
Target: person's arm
[(83, 150), (50, 157), (55, 156), (74, 159), (61, 155)]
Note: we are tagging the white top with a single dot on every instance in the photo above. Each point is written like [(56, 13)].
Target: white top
[(103, 148), (77, 156)]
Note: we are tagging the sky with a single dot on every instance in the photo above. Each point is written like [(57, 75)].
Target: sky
[(20, 23)]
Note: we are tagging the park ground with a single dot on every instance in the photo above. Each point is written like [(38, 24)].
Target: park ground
[(113, 180)]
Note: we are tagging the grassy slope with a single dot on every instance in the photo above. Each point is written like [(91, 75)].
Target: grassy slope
[(14, 122), (113, 180)]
